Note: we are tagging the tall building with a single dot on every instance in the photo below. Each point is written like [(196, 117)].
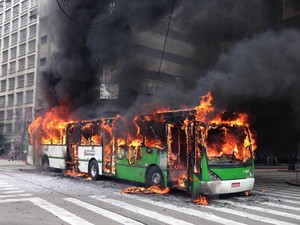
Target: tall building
[(18, 41)]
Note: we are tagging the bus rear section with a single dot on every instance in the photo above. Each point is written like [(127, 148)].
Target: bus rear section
[(227, 163)]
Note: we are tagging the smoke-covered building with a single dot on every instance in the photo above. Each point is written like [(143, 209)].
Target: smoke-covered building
[(105, 57)]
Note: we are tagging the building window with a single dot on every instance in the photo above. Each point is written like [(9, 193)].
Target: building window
[(6, 28), (2, 101), (4, 70), (13, 53), (1, 115), (31, 46), (8, 3), (24, 5), (14, 38), (33, 15), (23, 20), (6, 42), (44, 39), (29, 96), (11, 83), (28, 112), (43, 61), (21, 81), (7, 14), (3, 85), (9, 114), (23, 34), (20, 98), (22, 49), (10, 100), (1, 6), (16, 10), (18, 112), (30, 79), (33, 3), (21, 64), (15, 24), (31, 61), (8, 128), (1, 18), (32, 31), (5, 56), (12, 67)]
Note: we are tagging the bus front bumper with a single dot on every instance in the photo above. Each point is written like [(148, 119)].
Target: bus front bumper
[(226, 186)]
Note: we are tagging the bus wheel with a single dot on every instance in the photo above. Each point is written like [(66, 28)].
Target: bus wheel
[(45, 163), (154, 177), (94, 170)]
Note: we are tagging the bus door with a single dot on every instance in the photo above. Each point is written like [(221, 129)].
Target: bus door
[(178, 156), (108, 165), (73, 141)]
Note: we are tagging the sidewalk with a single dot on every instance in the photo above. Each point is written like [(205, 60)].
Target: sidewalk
[(16, 163)]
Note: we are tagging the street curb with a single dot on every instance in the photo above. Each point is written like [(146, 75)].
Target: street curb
[(293, 182)]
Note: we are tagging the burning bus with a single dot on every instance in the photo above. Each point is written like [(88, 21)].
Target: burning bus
[(173, 149)]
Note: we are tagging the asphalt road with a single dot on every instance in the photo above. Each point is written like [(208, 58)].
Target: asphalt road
[(31, 196)]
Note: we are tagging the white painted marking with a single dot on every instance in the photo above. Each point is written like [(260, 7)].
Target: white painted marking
[(278, 196), (59, 212), (13, 192), (103, 212), (8, 189), (282, 206), (15, 200), (188, 211), (142, 211), (286, 201), (261, 209), (5, 186), (14, 196)]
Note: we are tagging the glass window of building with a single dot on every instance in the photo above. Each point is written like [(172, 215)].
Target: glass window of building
[(8, 3), (20, 98), (24, 5), (2, 115), (0, 33), (43, 61), (28, 112), (29, 96), (10, 100), (44, 39), (33, 3), (5, 56), (21, 81), (31, 46), (1, 18), (22, 64), (31, 60), (6, 28), (23, 20), (12, 67), (16, 10), (4, 70), (8, 127), (30, 79), (23, 34), (15, 1), (14, 38), (18, 112), (2, 101), (32, 31), (11, 83), (1, 6), (6, 42), (9, 114), (22, 49), (33, 15), (7, 14), (3, 85), (13, 53), (15, 24)]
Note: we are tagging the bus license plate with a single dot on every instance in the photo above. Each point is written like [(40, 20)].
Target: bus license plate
[(237, 184)]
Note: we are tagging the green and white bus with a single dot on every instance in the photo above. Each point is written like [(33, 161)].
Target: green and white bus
[(170, 149)]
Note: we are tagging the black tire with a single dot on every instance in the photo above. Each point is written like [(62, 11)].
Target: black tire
[(94, 170), (45, 164), (154, 177)]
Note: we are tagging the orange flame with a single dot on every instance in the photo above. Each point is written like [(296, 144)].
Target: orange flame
[(201, 200), (141, 190)]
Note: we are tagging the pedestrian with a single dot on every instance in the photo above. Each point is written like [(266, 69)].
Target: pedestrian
[(11, 154)]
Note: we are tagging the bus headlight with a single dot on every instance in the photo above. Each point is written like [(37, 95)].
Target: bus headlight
[(250, 174), (214, 177)]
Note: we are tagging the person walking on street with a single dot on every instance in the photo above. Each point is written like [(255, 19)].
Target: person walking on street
[(11, 154)]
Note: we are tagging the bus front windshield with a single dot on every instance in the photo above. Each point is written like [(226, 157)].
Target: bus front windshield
[(228, 146)]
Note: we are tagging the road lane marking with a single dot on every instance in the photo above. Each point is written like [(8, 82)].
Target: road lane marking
[(13, 192), (261, 209), (59, 212), (144, 212), (8, 189), (188, 211), (103, 212), (281, 206), (14, 196)]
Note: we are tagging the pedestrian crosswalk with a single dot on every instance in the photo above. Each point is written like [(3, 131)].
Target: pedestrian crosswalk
[(268, 204)]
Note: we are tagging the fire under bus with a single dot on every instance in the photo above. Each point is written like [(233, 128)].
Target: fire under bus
[(171, 149)]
